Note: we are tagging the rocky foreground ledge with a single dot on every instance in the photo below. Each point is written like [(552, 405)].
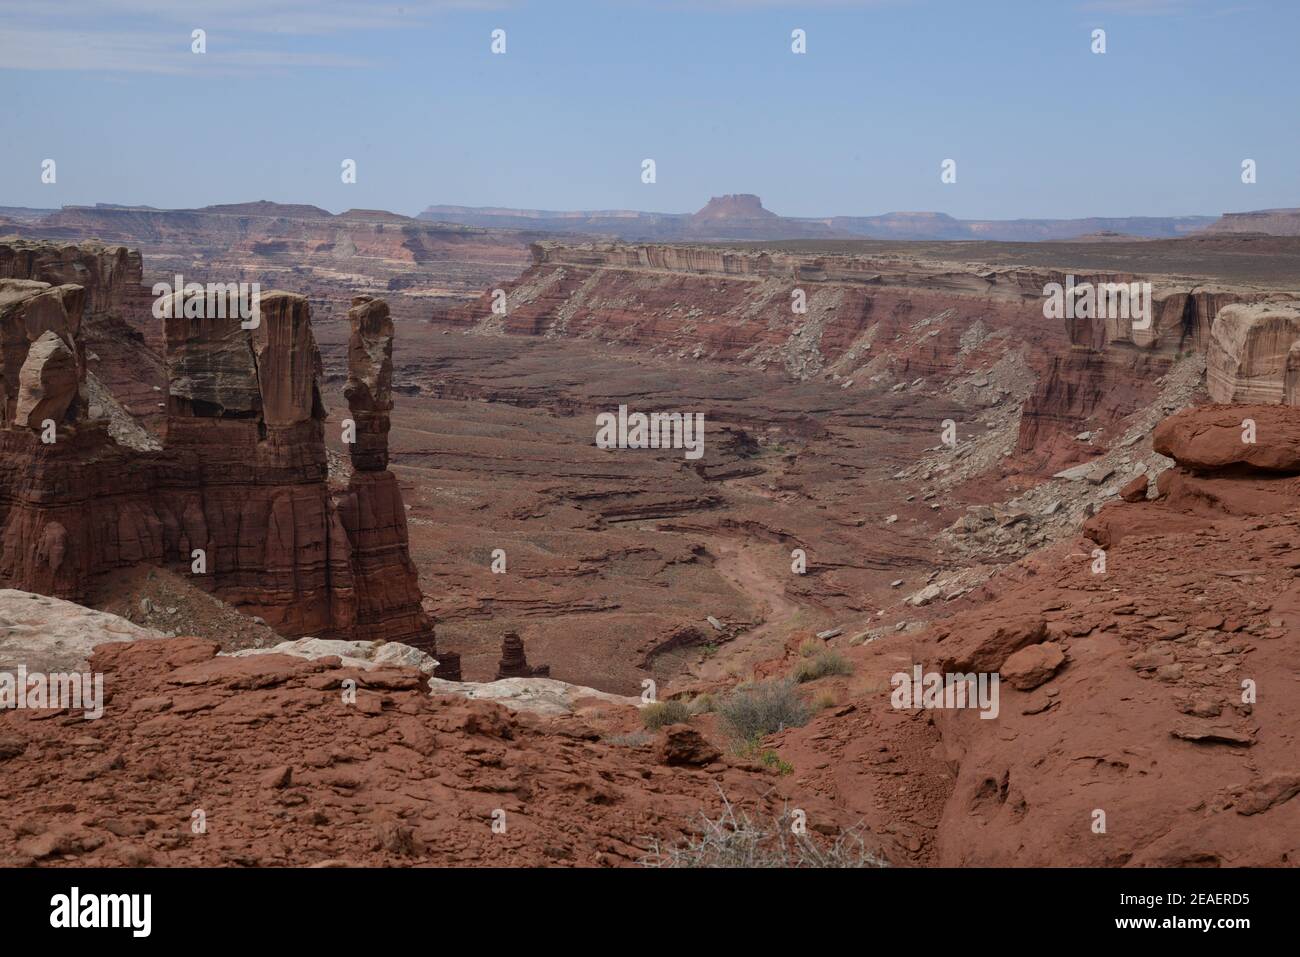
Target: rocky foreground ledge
[(264, 750)]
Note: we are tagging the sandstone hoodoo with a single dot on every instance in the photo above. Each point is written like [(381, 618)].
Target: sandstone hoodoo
[(237, 499), (369, 388), (514, 663)]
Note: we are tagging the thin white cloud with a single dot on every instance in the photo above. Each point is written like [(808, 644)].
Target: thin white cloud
[(1136, 7), (133, 53), (153, 36)]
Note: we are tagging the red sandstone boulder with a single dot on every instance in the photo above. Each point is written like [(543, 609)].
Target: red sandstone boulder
[(47, 382), (1136, 490), (1032, 666), (1213, 437), (681, 744), (985, 644), (33, 313)]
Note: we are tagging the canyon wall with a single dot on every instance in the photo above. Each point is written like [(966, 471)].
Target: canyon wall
[(110, 275), (302, 248), (870, 322), (1254, 354), (238, 498), (122, 340)]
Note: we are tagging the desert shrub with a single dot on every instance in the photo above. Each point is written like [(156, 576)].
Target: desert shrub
[(823, 701), (764, 756), (810, 646), (734, 839), (771, 759), (825, 662), (702, 704), (754, 710), (662, 713)]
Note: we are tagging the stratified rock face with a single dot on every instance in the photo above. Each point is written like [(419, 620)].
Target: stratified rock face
[(386, 591), (211, 371), (514, 663), (110, 275), (327, 253), (238, 498), (1254, 354), (369, 388), (118, 329), (1275, 222), (877, 322), (288, 362)]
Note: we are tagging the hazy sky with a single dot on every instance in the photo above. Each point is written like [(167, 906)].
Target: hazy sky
[(1038, 124)]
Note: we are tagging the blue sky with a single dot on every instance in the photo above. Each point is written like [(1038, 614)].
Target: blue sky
[(1038, 124)]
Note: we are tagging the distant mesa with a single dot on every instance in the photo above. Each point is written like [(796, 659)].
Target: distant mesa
[(729, 217), (734, 206), (1271, 222), (726, 218), (742, 216)]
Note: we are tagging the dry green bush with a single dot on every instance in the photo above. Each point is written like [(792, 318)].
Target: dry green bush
[(757, 709), (662, 713), (824, 663)]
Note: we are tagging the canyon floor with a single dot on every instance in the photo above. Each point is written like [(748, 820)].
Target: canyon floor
[(615, 559)]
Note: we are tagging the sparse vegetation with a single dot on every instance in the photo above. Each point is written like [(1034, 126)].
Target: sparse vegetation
[(764, 756), (810, 647), (756, 709), (703, 704), (734, 839), (824, 700), (633, 739), (663, 713), (822, 664)]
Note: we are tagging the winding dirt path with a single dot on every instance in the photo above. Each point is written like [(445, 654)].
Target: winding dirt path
[(753, 569)]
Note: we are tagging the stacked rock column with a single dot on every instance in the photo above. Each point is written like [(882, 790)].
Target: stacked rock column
[(372, 509)]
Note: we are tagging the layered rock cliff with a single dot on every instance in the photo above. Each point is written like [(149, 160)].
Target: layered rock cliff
[(238, 498), (883, 321), (310, 250), (1254, 354), (122, 341)]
